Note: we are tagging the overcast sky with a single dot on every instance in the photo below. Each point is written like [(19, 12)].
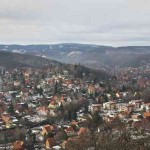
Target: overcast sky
[(103, 22)]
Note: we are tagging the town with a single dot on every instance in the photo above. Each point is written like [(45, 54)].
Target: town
[(65, 107), (74, 75)]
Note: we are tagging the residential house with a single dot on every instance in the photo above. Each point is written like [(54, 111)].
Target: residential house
[(53, 105), (95, 107), (70, 132), (7, 119), (137, 103), (146, 106), (83, 130), (137, 116), (130, 107), (16, 83), (48, 128), (18, 145), (109, 105), (123, 115), (121, 106), (91, 89), (146, 115), (42, 111), (50, 142)]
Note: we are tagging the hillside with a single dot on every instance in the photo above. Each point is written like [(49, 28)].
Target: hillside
[(94, 56), (13, 60), (10, 60)]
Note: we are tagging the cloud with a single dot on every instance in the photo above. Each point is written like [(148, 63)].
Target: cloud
[(117, 22)]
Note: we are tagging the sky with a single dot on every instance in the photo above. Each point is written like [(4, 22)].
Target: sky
[(102, 22)]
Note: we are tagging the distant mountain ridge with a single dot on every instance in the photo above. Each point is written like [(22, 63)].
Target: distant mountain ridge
[(95, 56)]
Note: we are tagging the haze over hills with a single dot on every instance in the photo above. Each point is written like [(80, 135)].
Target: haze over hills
[(90, 55)]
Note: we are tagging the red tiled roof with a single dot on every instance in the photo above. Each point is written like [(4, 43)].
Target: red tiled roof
[(146, 114), (82, 130)]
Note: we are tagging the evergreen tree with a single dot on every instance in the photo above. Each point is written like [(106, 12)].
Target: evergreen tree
[(86, 108), (56, 87), (40, 91), (96, 119), (73, 115), (14, 77), (61, 108), (34, 137), (49, 135), (11, 109), (106, 98)]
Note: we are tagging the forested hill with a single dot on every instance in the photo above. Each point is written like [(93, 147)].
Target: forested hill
[(12, 60)]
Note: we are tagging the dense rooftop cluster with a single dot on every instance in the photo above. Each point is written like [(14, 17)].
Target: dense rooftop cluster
[(69, 107)]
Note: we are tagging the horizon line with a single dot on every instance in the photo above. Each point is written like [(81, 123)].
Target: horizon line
[(67, 43)]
